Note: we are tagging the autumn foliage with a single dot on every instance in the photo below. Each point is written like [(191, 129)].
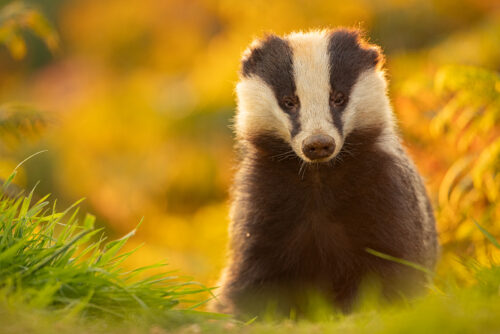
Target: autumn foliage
[(134, 104)]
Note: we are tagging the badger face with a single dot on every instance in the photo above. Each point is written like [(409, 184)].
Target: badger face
[(311, 90)]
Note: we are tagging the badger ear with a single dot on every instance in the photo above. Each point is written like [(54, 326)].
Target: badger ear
[(372, 52), (264, 53), (252, 56), (375, 55), (351, 44)]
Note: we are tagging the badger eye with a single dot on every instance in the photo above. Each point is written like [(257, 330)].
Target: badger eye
[(290, 102), (338, 99)]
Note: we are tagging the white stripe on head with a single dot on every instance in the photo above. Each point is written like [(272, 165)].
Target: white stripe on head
[(368, 104), (311, 64), (258, 110), (369, 107)]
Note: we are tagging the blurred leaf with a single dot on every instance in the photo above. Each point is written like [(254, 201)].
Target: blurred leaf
[(19, 16), (19, 122), (470, 120)]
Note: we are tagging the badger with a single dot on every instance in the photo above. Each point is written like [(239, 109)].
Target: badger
[(322, 179)]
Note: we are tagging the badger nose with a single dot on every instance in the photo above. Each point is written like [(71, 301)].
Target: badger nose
[(318, 147)]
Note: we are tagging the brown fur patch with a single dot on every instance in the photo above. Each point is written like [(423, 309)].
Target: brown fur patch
[(296, 230)]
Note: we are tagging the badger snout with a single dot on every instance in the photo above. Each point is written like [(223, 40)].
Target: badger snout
[(318, 147)]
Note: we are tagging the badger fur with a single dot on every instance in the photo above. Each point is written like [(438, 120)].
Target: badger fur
[(322, 178)]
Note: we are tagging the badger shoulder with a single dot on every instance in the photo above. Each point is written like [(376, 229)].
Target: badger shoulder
[(393, 190)]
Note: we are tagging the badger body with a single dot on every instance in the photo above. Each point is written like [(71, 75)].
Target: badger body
[(322, 178)]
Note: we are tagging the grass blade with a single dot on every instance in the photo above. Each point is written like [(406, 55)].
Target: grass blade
[(407, 263), (488, 235)]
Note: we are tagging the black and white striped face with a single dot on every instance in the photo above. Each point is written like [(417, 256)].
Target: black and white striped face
[(311, 90)]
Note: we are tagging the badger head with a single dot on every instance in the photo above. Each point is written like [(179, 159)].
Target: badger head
[(311, 90)]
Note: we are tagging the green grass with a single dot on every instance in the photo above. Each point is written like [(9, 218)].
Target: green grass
[(58, 274), (50, 262)]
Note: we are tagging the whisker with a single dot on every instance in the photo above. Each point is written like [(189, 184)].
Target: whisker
[(288, 156), (303, 165), (306, 166), (283, 155)]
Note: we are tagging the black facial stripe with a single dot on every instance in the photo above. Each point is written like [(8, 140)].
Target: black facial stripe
[(337, 119), (348, 58), (272, 61), (295, 123)]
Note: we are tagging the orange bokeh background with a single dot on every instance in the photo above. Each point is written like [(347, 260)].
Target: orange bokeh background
[(138, 97)]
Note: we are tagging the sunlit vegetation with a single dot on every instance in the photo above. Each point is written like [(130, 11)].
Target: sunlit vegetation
[(134, 104), (470, 189), (50, 262)]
